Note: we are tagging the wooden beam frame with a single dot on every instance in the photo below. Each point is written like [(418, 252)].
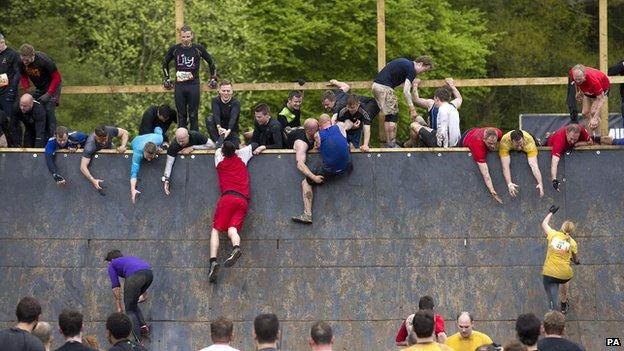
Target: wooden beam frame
[(603, 47)]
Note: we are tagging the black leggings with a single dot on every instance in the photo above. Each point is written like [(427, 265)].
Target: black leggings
[(134, 287), (187, 104), (551, 285)]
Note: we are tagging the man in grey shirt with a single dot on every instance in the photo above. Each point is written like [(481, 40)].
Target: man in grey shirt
[(101, 139)]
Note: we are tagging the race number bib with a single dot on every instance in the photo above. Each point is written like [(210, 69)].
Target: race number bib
[(183, 76), (560, 246), (4, 80)]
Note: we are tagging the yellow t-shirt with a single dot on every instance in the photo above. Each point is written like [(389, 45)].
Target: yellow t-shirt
[(476, 339), (529, 145), (431, 346), (560, 249)]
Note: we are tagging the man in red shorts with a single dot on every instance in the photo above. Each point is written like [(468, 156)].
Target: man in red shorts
[(480, 141), (232, 206), (563, 140), (592, 87)]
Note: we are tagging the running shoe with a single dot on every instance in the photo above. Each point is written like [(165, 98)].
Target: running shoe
[(214, 270), (303, 218), (565, 306), (236, 253)]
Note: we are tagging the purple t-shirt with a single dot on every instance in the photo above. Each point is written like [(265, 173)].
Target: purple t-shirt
[(124, 267)]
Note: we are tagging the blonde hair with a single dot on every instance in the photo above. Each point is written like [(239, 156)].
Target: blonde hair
[(568, 227)]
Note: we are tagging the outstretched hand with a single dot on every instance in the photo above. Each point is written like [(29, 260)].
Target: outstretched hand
[(134, 194), (513, 189), (496, 197), (553, 209)]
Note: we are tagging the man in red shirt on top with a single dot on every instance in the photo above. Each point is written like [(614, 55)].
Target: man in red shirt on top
[(425, 303), (592, 86), (563, 140), (42, 71), (480, 141), (232, 206)]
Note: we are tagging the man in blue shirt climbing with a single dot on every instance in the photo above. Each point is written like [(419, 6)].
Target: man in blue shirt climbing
[(63, 139), (143, 146)]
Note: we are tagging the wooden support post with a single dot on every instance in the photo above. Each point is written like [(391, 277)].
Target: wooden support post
[(179, 18), (604, 60), (381, 55)]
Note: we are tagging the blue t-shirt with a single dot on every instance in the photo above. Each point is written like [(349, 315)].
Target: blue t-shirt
[(396, 72), (138, 144), (334, 149), (74, 140)]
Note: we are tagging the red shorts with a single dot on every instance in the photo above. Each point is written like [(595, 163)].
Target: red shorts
[(230, 212)]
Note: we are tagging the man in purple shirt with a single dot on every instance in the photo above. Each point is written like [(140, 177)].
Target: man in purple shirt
[(138, 277)]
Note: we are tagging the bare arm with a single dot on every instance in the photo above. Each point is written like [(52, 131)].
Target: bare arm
[(458, 99), (367, 132), (341, 85), (84, 169), (553, 167), (597, 106), (483, 167), (117, 295), (537, 174), (545, 226), (505, 161), (301, 149), (123, 134), (407, 93), (420, 102)]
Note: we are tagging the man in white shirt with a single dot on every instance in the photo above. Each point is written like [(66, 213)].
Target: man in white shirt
[(221, 335), (443, 117)]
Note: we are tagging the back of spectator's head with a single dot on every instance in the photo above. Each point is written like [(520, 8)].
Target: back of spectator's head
[(167, 112), (221, 330), (442, 94), (113, 254), (487, 347), (423, 323), (228, 148), (321, 333), (28, 310), (118, 325), (528, 328), (516, 135), (43, 332), (554, 323), (514, 345), (70, 322), (61, 131), (426, 303), (266, 328)]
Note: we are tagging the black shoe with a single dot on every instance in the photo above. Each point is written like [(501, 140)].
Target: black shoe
[(236, 253), (214, 270), (565, 306)]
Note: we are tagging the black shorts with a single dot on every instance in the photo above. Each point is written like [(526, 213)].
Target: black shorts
[(392, 118), (606, 93), (327, 174), (427, 138), (552, 280)]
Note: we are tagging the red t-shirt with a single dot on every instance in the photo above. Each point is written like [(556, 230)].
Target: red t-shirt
[(402, 333), (595, 82), (232, 171), (559, 142), (474, 141)]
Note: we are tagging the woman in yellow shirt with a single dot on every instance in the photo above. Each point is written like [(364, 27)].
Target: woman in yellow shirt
[(560, 251)]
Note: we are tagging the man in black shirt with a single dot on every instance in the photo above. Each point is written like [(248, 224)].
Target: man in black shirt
[(187, 59), (225, 114), (290, 115), (9, 80), (335, 100), (184, 142), (554, 327), (267, 132), (355, 119), (42, 71), (70, 324), (19, 338), (32, 114), (158, 116), (118, 329)]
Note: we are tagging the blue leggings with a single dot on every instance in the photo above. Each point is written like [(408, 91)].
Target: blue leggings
[(551, 285)]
